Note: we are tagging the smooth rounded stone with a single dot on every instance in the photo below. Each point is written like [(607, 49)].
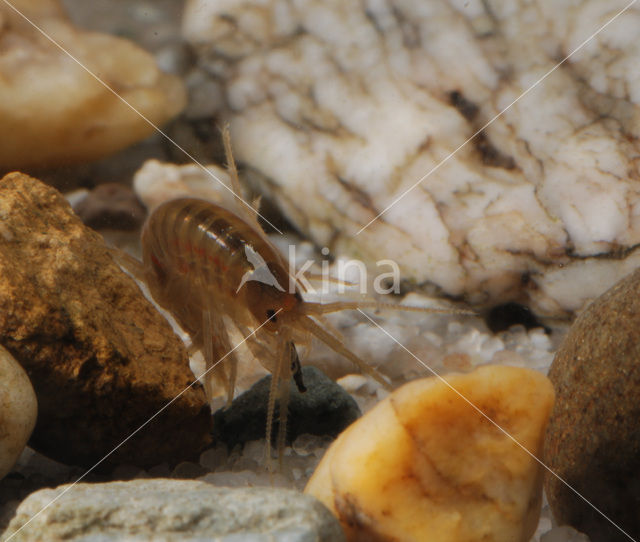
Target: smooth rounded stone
[(244, 466), (128, 472), (69, 116), (111, 206), (156, 182), (187, 470), (564, 534), (593, 439), (153, 24), (324, 409), (380, 99), (425, 465), (254, 477), (18, 410), (172, 510), (101, 359), (32, 472), (310, 445), (214, 457)]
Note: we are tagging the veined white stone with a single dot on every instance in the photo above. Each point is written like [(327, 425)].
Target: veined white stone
[(341, 107)]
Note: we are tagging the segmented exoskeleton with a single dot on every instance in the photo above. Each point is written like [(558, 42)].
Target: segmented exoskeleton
[(214, 268)]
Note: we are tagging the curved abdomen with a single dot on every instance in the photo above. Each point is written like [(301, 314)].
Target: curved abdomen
[(195, 256)]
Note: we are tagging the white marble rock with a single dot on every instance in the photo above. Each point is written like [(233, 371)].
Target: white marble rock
[(338, 108), (18, 410), (156, 182)]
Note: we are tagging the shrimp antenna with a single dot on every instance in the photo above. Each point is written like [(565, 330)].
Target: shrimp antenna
[(231, 163), (337, 346), (246, 210), (314, 309)]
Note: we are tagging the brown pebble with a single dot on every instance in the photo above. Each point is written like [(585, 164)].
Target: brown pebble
[(593, 438), (77, 324), (111, 206)]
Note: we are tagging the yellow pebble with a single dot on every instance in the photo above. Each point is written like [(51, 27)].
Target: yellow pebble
[(425, 465)]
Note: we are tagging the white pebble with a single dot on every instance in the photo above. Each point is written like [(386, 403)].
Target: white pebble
[(564, 534), (306, 445), (215, 457), (187, 469), (18, 410)]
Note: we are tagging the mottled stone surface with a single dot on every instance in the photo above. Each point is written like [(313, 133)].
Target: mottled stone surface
[(102, 360), (593, 439), (338, 108), (52, 111), (18, 410), (171, 510), (424, 464)]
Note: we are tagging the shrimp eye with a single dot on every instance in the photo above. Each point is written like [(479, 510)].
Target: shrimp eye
[(271, 315)]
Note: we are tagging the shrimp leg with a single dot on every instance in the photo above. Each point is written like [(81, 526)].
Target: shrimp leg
[(287, 365), (283, 398), (127, 262), (273, 393), (217, 350)]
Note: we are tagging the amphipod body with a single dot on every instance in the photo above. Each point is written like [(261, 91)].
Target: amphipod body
[(215, 270), (212, 269)]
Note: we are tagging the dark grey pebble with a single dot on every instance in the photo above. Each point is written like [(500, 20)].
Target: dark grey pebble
[(324, 409)]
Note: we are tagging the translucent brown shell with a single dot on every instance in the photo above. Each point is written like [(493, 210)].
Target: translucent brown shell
[(215, 270)]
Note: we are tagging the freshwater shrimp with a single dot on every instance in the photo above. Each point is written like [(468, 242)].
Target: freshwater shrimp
[(214, 269)]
